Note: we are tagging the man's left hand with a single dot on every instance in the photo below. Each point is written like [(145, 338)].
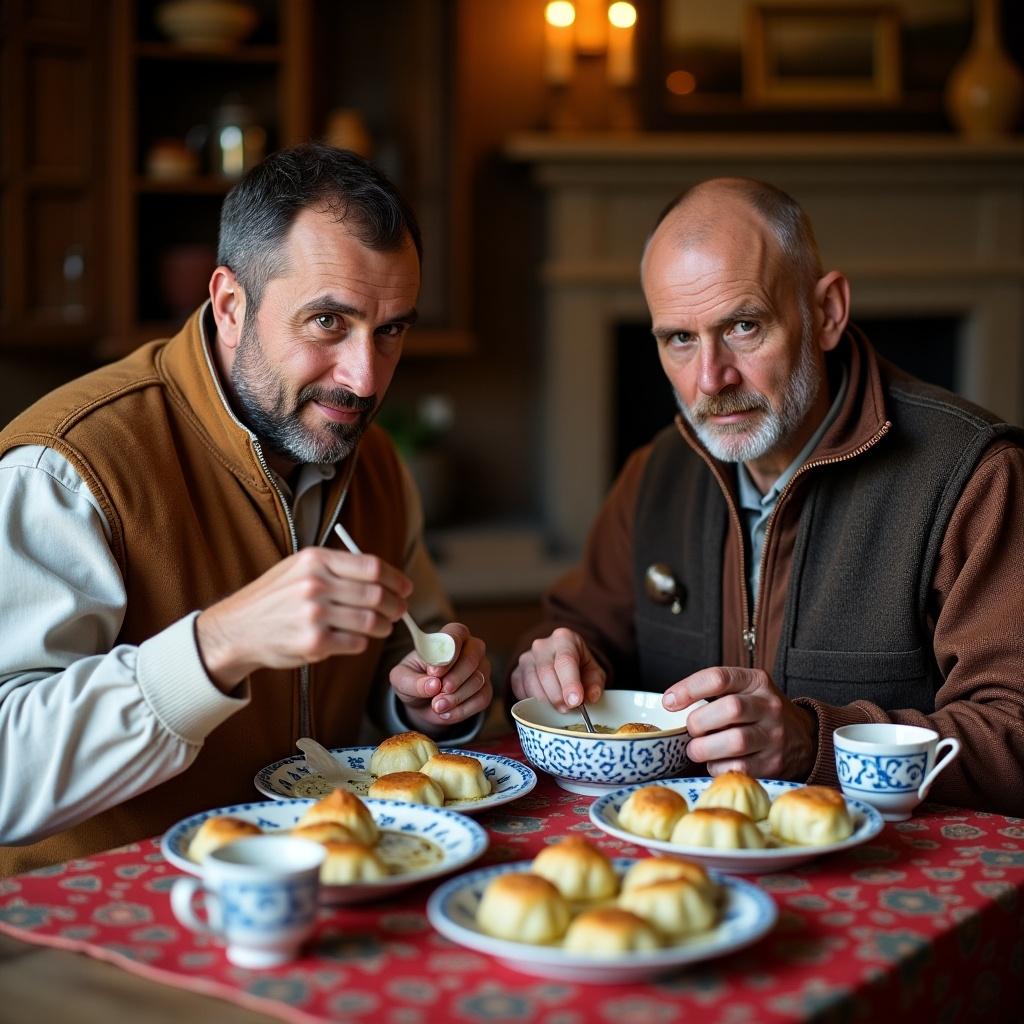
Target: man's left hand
[(747, 724), (438, 697)]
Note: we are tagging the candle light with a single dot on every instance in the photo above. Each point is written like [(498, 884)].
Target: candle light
[(558, 52), (621, 30)]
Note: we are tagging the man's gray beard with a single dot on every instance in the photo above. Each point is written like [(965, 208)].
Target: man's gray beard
[(741, 443), (263, 406)]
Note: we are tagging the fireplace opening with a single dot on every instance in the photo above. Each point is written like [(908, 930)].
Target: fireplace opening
[(643, 403)]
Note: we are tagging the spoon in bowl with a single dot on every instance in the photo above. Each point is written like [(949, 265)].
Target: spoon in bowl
[(433, 648), (586, 718), (321, 760)]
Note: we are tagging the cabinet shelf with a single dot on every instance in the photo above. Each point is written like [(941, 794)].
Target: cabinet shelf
[(182, 54), (198, 186)]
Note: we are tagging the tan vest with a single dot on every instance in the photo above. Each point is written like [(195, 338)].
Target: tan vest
[(193, 518)]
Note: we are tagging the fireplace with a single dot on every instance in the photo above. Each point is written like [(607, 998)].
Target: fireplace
[(930, 231)]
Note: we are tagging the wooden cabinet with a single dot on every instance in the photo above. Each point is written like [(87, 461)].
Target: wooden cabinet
[(171, 102), (52, 149)]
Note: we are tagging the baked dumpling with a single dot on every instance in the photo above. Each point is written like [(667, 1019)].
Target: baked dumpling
[(218, 831), (524, 908), (460, 777), (811, 816), (675, 907), (406, 752), (580, 871), (322, 831), (609, 931), (347, 810), (652, 812), (346, 863), (718, 828), (739, 792), (409, 787), (664, 869), (635, 729)]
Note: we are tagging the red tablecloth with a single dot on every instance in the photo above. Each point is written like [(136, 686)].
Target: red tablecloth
[(926, 921)]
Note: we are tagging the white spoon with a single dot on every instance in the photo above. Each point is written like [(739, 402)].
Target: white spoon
[(433, 648), (321, 760)]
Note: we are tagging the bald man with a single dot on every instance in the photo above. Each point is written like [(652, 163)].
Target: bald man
[(819, 540)]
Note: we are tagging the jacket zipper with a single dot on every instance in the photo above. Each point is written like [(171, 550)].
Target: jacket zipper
[(749, 632)]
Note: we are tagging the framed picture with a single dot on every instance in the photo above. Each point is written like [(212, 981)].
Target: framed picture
[(821, 57)]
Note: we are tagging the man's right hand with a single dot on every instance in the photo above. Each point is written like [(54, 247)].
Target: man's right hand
[(310, 606), (557, 669)]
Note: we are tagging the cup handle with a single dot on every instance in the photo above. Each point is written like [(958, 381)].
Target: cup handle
[(953, 749), (183, 892)]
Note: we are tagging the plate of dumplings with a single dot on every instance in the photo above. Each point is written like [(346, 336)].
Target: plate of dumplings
[(573, 914), (408, 767), (374, 847), (737, 823)]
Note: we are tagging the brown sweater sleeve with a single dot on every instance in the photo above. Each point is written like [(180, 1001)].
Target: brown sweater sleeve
[(595, 599), (977, 610)]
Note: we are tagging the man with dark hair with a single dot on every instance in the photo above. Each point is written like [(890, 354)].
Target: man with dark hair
[(819, 540), (176, 610)]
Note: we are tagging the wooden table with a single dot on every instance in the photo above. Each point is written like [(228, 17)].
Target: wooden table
[(924, 922)]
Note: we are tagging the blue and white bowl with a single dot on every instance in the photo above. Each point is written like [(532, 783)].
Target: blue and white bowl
[(594, 764)]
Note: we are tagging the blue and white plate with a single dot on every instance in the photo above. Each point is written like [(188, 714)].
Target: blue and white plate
[(458, 841), (747, 913), (604, 813), (288, 778)]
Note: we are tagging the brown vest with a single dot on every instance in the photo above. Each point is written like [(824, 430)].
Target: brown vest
[(194, 517)]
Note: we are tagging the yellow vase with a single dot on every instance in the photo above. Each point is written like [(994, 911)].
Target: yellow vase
[(986, 90)]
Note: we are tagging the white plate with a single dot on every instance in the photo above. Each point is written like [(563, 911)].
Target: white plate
[(460, 839), (748, 913), (509, 779), (604, 813)]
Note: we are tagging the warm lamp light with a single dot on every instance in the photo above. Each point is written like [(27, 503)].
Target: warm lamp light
[(622, 28), (558, 51)]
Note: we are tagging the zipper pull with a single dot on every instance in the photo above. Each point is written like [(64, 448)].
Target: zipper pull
[(750, 639)]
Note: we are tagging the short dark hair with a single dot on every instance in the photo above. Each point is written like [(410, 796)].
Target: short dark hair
[(259, 210)]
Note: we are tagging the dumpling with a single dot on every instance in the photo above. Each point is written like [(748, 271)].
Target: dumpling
[(322, 831), (652, 812), (346, 863), (635, 729), (409, 787), (664, 869), (347, 810), (610, 931), (719, 828), (811, 816), (524, 908), (675, 907), (460, 777), (738, 792), (218, 831), (406, 752), (580, 871)]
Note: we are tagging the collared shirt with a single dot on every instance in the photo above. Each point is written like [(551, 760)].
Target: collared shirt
[(756, 509)]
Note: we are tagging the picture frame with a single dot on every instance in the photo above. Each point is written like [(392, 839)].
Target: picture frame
[(798, 56)]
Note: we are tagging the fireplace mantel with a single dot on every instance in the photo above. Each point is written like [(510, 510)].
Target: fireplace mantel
[(922, 225)]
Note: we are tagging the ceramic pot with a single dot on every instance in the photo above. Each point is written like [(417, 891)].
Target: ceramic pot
[(206, 24), (986, 90)]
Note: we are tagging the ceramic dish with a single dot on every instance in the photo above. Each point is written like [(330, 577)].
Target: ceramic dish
[(458, 841), (604, 813), (287, 778), (593, 764), (748, 913)]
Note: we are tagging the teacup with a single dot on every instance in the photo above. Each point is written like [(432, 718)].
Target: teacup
[(260, 897), (891, 767)]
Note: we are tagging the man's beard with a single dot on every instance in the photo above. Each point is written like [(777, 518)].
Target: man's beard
[(741, 442), (265, 408)]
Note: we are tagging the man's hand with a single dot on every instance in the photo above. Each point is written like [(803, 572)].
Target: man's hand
[(557, 669), (436, 697), (748, 725), (310, 606)]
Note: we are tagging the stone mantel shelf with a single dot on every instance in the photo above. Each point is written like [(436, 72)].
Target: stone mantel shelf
[(653, 147)]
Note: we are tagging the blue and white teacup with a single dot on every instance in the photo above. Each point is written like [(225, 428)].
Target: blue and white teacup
[(260, 898), (891, 767)]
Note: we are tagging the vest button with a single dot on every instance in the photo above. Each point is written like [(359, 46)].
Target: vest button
[(663, 588)]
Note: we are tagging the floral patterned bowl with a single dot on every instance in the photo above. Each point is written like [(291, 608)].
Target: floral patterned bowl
[(596, 763)]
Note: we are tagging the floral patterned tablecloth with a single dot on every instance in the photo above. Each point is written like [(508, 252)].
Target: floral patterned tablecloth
[(925, 921)]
